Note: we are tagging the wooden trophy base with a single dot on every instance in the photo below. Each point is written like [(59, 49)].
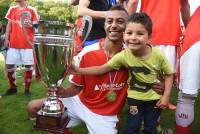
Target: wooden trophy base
[(52, 124)]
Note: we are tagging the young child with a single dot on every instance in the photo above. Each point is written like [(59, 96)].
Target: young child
[(146, 65)]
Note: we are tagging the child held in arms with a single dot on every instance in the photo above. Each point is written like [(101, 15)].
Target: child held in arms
[(146, 65)]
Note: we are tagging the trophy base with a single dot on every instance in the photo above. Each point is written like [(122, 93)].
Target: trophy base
[(52, 124)]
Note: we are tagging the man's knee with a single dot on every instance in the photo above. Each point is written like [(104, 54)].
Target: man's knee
[(34, 106), (185, 110)]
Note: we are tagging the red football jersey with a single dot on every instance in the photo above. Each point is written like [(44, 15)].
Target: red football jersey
[(165, 15), (192, 32), (192, 35), (17, 37), (96, 88)]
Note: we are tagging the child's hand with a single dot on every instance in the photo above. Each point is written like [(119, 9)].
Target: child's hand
[(163, 102)]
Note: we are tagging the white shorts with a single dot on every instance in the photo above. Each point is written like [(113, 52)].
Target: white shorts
[(190, 70), (95, 123), (19, 56), (171, 54)]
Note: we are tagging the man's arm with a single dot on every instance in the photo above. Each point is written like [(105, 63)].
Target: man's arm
[(84, 10), (132, 6), (70, 91), (163, 102), (7, 34), (73, 2), (159, 87), (185, 11)]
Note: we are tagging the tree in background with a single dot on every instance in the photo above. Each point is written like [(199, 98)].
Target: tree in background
[(48, 10), (4, 6)]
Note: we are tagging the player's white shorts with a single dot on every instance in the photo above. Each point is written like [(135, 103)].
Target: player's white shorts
[(190, 70), (95, 123), (171, 54), (19, 56)]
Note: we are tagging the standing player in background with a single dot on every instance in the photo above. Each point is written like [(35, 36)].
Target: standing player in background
[(189, 75), (97, 9), (1, 36), (19, 52)]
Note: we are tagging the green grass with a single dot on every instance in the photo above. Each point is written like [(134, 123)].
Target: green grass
[(13, 116)]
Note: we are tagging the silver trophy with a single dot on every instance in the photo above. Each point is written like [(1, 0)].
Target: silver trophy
[(53, 48)]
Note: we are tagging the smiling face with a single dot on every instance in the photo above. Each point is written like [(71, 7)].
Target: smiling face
[(21, 2), (136, 36), (115, 25), (18, 0)]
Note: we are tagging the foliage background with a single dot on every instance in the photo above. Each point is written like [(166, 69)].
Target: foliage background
[(49, 10)]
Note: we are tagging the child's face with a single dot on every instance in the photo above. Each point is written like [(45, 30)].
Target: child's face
[(136, 36)]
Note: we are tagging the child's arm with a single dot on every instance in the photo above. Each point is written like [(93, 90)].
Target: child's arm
[(162, 103), (93, 70)]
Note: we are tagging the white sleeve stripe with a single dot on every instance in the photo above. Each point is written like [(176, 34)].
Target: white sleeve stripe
[(85, 50), (35, 11), (71, 81), (9, 10)]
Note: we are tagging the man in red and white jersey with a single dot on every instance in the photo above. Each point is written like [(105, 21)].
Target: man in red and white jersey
[(19, 52), (189, 75), (101, 97)]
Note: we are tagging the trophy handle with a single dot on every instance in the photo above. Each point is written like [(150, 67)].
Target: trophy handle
[(87, 26)]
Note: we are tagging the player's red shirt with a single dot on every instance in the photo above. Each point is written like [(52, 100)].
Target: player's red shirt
[(17, 38), (96, 87), (192, 32), (165, 15)]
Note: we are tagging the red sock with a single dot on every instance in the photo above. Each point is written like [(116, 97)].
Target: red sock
[(27, 78), (183, 130), (11, 77), (37, 73)]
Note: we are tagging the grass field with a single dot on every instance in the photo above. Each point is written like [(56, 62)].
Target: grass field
[(13, 116)]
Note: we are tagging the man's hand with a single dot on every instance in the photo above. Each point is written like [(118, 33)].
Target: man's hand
[(50, 90), (60, 91), (159, 87), (6, 43), (73, 69), (28, 23)]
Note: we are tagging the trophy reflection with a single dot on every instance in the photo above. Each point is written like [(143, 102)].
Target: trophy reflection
[(53, 48)]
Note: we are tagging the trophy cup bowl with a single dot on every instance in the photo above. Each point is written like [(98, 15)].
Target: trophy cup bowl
[(53, 48), (53, 45)]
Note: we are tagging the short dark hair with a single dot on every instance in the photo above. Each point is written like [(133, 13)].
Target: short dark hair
[(142, 18), (118, 7)]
